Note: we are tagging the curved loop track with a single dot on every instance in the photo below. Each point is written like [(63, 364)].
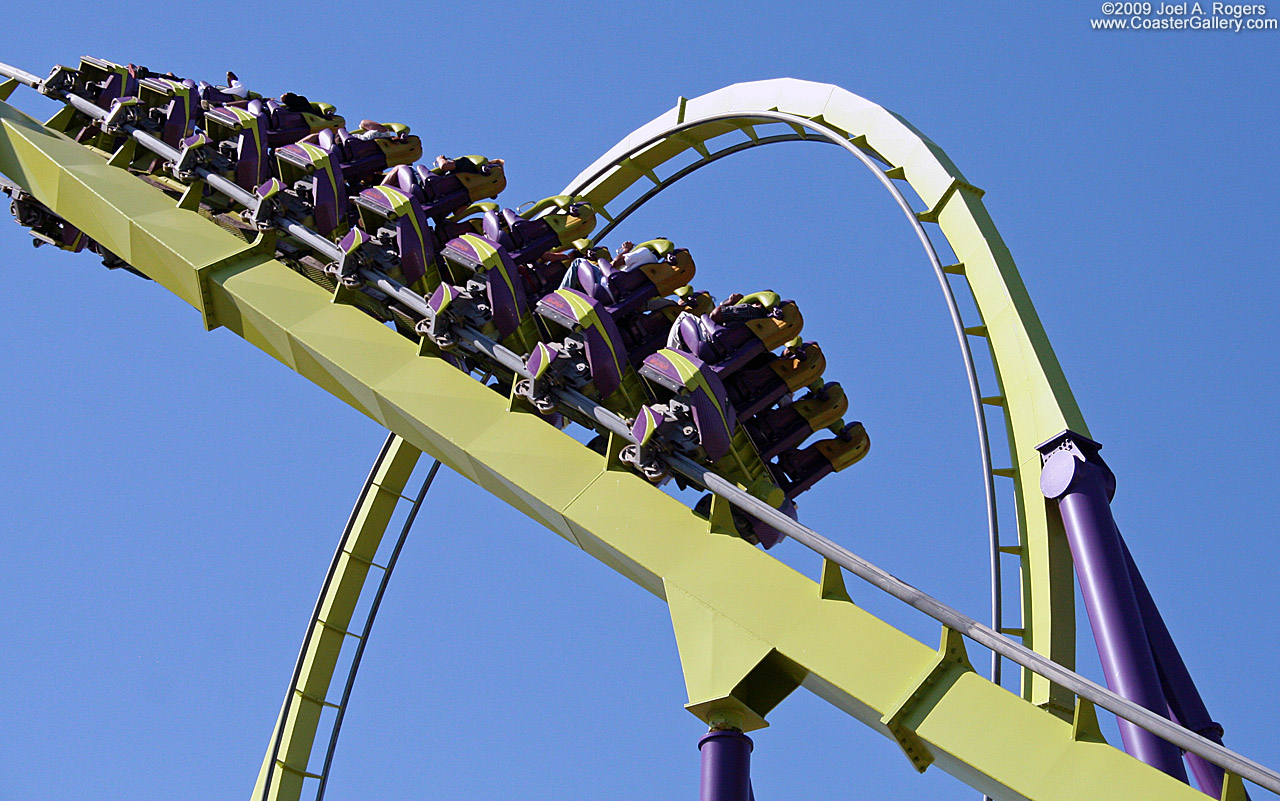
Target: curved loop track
[(1034, 395)]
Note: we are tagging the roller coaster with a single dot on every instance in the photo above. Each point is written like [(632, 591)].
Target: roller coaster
[(485, 335)]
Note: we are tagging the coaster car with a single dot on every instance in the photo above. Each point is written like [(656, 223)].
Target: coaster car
[(170, 106), (696, 417), (209, 96), (100, 81), (243, 131), (286, 126), (650, 270), (750, 529), (238, 136), (363, 160), (737, 330), (442, 193), (468, 220), (693, 417), (799, 469), (585, 351), (482, 289), (396, 224), (314, 185), (768, 379), (790, 423), (549, 224), (646, 332), (45, 227)]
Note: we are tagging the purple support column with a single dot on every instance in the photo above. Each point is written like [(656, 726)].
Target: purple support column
[(1077, 478), (1186, 706), (726, 766)]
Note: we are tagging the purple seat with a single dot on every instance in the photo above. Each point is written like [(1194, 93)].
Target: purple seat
[(439, 195), (364, 160), (543, 275), (646, 332), (286, 126), (800, 469), (312, 174), (755, 324), (589, 323), (588, 276), (207, 93), (623, 291), (240, 134), (170, 105), (766, 379), (395, 220), (548, 224), (703, 402), (525, 240), (790, 424)]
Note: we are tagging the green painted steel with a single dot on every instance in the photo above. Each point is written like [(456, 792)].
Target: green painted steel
[(288, 761), (1034, 394), (750, 630)]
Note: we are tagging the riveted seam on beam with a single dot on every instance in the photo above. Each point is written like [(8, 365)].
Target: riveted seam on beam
[(951, 660), (264, 243), (956, 185)]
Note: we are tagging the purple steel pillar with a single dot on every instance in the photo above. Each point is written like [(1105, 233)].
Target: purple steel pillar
[(726, 766), (1082, 484), (1185, 704)]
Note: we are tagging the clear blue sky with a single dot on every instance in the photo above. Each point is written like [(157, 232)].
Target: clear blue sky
[(173, 496)]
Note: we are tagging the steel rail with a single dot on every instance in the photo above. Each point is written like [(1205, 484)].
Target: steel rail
[(689, 169), (21, 76)]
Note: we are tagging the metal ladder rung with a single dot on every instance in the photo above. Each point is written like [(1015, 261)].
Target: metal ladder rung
[(340, 630), (282, 765), (390, 491), (368, 562), (315, 700)]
